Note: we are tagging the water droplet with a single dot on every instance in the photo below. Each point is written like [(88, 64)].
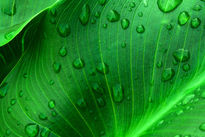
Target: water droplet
[(113, 16), (168, 5), (42, 116), (25, 75), (197, 7), (140, 14), (179, 112), (123, 45), (32, 130), (101, 102), (51, 82), (102, 2), (53, 12), (202, 127), (56, 67), (169, 26), (188, 99), (105, 25), (13, 101), (8, 132), (53, 113), (125, 23), (93, 21), (159, 64), (85, 14), (9, 109), (45, 133), (9, 35), (3, 90), (102, 68), (63, 29), (51, 104), (78, 63), (140, 29), (186, 67), (195, 23), (132, 5), (21, 93), (183, 18), (63, 52), (96, 87), (9, 7), (97, 14), (81, 103), (177, 136), (181, 55), (168, 74), (117, 91), (203, 94)]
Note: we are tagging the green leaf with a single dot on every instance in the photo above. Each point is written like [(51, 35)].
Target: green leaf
[(15, 15), (86, 75)]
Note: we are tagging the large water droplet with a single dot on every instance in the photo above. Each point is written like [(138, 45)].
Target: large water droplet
[(32, 130), (45, 133), (183, 18), (118, 94), (9, 7), (113, 16), (202, 127), (85, 14), (51, 104), (63, 29), (56, 67), (168, 74), (102, 68), (78, 63), (181, 55), (168, 5), (195, 23), (125, 23), (3, 90)]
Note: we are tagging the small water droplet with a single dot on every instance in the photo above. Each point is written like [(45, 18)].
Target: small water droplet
[(85, 14), (93, 21), (32, 130), (51, 82), (140, 29), (181, 55), (113, 16), (188, 99), (53, 12), (168, 5), (102, 2), (56, 67), (97, 14), (186, 67), (123, 45), (168, 74), (51, 104), (179, 112), (140, 14), (183, 18), (177, 136), (3, 90), (45, 133), (9, 109), (118, 94), (202, 127), (63, 52), (132, 5), (21, 93), (53, 113), (9, 7), (96, 88), (102, 68), (8, 132), (195, 23), (78, 63), (159, 64), (13, 101), (81, 103), (125, 23), (169, 26), (197, 7), (101, 102), (63, 29), (42, 116)]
